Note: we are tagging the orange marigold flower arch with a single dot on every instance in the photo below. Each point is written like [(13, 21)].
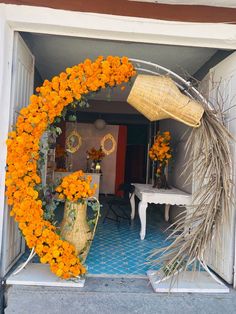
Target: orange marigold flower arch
[(23, 154)]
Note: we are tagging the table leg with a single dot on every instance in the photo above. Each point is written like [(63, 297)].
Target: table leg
[(142, 207), (167, 212), (132, 203)]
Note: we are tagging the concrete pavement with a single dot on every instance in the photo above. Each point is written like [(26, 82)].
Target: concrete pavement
[(114, 296)]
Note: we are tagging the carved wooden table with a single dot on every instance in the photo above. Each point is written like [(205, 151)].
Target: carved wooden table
[(147, 194)]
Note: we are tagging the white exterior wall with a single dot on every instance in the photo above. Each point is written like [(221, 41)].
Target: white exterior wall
[(68, 23), (6, 48), (104, 26)]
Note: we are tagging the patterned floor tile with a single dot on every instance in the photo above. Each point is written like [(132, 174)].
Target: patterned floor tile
[(117, 248)]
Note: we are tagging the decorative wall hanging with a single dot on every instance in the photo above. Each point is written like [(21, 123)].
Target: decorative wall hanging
[(108, 140), (73, 142)]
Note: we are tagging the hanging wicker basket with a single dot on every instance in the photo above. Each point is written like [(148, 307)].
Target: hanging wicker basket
[(157, 98)]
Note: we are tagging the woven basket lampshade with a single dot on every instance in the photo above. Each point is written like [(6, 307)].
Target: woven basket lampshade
[(157, 98)]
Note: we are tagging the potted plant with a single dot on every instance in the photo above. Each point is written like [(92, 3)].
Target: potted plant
[(96, 155), (76, 190)]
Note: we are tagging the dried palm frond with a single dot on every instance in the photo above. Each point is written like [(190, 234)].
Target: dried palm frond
[(209, 147)]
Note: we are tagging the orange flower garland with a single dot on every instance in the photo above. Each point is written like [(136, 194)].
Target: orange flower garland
[(161, 150), (76, 187), (23, 145)]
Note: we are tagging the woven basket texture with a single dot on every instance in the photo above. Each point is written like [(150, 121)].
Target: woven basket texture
[(157, 98), (74, 226)]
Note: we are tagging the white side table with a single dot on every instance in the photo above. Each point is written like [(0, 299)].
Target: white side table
[(147, 194)]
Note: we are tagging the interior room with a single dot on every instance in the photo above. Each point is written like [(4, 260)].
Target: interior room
[(125, 136)]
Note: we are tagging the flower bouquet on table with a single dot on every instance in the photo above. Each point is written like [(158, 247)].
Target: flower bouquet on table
[(161, 153), (77, 191), (96, 155)]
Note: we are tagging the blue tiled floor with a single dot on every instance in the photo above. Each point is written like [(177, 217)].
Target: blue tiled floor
[(118, 250)]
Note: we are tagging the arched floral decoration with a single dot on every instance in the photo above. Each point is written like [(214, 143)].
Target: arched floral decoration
[(23, 144)]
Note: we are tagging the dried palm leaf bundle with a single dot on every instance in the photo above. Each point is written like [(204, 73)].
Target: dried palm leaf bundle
[(195, 228)]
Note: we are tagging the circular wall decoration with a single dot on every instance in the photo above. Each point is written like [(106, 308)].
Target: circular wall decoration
[(108, 144), (73, 142), (23, 155)]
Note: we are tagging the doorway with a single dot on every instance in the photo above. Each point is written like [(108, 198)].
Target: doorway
[(128, 152), (136, 153)]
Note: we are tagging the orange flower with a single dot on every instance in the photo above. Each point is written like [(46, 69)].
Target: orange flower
[(161, 150), (76, 187), (96, 154), (23, 146)]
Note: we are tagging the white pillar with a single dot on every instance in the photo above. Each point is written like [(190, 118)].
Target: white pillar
[(6, 50)]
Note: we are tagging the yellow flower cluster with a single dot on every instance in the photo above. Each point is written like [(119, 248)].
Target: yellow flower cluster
[(76, 187), (161, 150), (23, 153)]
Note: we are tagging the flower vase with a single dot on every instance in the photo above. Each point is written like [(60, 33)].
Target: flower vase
[(160, 180), (75, 228)]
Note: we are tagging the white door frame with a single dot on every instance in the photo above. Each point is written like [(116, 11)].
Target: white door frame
[(6, 51), (22, 78), (92, 25)]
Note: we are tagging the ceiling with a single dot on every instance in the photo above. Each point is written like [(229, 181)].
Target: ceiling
[(53, 54)]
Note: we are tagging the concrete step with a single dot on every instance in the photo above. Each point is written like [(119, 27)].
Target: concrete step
[(113, 295)]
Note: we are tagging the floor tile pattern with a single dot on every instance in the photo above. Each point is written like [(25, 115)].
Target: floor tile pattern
[(118, 250)]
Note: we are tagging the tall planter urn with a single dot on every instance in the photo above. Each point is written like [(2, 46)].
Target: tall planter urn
[(74, 226)]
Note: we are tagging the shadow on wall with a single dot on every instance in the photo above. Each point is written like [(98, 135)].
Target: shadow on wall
[(177, 173)]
